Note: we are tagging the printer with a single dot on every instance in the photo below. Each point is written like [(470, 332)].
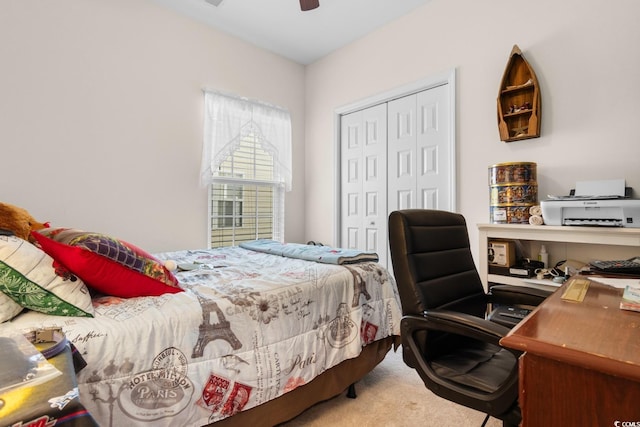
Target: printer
[(594, 203)]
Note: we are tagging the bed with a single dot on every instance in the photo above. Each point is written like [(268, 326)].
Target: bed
[(254, 338)]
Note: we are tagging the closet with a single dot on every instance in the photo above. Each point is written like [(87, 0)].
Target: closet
[(397, 154)]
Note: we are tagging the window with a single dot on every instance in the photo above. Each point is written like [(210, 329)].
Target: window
[(244, 198), (229, 213), (226, 201), (246, 175)]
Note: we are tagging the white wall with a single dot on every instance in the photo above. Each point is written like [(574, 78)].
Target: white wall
[(101, 105), (101, 116), (587, 62)]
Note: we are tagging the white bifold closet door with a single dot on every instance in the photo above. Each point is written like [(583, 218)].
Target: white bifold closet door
[(394, 155), (419, 151), (363, 146)]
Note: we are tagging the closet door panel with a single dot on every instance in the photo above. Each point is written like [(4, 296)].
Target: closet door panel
[(364, 180), (351, 180), (402, 153), (434, 167), (374, 187)]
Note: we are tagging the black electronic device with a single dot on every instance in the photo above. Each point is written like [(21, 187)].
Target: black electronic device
[(623, 266), (525, 268), (507, 315)]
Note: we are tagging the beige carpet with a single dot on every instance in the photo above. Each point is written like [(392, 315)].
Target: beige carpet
[(391, 395)]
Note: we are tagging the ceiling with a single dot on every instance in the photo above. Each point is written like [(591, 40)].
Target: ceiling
[(281, 27)]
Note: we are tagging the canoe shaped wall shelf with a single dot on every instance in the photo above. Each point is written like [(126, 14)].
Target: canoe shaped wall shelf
[(519, 106)]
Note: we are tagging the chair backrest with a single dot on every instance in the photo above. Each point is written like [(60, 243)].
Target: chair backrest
[(432, 261)]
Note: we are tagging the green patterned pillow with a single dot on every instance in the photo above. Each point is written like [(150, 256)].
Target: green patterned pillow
[(28, 277)]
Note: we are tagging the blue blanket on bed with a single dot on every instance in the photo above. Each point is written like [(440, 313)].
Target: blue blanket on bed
[(323, 254)]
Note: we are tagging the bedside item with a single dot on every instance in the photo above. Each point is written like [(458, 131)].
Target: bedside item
[(16, 366), (54, 402), (24, 365)]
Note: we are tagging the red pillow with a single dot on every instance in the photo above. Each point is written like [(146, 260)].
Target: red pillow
[(111, 266)]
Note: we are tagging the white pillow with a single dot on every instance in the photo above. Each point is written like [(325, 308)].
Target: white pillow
[(8, 308), (28, 277)]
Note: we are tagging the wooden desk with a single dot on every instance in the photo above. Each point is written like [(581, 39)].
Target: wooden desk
[(581, 365)]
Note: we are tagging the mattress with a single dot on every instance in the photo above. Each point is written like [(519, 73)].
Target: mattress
[(248, 328)]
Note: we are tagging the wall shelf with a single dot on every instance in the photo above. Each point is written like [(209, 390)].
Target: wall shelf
[(519, 107)]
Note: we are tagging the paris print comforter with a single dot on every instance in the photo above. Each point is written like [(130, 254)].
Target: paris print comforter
[(249, 327)]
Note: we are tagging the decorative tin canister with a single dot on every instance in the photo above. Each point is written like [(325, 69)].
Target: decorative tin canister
[(513, 190), (513, 173), (514, 193), (511, 214)]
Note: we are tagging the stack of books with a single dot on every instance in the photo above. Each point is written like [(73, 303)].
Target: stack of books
[(631, 298)]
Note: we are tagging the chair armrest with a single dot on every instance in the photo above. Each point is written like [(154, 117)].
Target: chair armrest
[(523, 295), (456, 323)]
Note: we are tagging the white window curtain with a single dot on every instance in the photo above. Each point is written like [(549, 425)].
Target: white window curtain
[(230, 118)]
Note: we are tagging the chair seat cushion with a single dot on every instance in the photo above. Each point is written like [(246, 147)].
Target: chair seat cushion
[(475, 364)]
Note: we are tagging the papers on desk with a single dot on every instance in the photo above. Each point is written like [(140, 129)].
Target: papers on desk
[(616, 282)]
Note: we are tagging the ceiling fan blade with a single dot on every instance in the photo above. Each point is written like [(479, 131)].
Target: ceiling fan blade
[(309, 4)]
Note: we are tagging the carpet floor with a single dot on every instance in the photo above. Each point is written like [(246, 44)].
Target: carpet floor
[(390, 395)]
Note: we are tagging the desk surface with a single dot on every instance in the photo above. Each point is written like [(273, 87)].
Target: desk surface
[(594, 334)]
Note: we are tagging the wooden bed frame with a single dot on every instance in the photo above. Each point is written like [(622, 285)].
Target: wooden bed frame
[(325, 386)]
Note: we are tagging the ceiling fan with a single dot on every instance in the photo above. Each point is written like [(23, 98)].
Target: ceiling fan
[(304, 4), (309, 4)]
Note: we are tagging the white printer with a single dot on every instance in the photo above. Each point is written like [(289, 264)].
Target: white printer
[(594, 203)]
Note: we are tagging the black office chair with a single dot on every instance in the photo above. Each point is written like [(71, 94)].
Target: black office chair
[(445, 335)]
